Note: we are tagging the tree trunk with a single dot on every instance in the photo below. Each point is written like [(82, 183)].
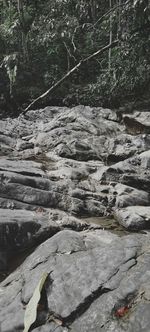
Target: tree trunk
[(110, 35), (24, 36), (119, 16), (93, 10)]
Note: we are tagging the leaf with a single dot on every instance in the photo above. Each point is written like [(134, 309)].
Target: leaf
[(31, 308)]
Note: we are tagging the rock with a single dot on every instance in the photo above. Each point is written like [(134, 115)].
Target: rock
[(135, 127), (142, 117), (84, 276), (23, 145), (82, 133), (17, 227), (64, 174), (69, 132), (125, 146), (133, 172), (128, 196), (145, 159), (63, 220), (134, 217), (21, 166), (98, 317), (22, 229), (51, 327), (6, 145), (3, 258), (119, 195)]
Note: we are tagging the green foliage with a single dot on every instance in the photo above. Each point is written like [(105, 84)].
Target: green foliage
[(48, 38)]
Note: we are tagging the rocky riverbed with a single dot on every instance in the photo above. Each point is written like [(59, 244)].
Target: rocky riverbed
[(74, 203)]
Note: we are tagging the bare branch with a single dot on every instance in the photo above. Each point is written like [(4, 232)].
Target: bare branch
[(110, 11), (101, 50), (68, 55), (68, 51), (69, 73)]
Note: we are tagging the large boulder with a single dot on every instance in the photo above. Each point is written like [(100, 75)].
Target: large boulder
[(91, 277)]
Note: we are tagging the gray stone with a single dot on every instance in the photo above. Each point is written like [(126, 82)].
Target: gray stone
[(133, 172), (21, 230), (61, 170), (50, 327), (84, 276), (128, 196), (125, 146), (134, 217), (23, 145)]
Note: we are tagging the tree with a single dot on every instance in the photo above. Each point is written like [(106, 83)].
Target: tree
[(46, 39)]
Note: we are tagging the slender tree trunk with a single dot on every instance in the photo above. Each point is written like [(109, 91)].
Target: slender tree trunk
[(20, 8), (119, 16), (2, 15), (10, 6), (110, 35), (24, 37), (93, 10)]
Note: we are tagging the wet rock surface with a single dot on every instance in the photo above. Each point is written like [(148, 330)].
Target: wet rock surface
[(74, 184)]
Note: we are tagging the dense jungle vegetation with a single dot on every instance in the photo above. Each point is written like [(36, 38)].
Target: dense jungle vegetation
[(40, 41)]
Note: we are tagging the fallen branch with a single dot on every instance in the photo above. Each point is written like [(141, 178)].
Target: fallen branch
[(58, 83)]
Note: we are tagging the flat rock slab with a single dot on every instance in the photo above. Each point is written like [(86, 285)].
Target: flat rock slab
[(86, 272), (134, 217)]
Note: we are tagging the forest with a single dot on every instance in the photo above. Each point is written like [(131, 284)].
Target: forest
[(42, 41)]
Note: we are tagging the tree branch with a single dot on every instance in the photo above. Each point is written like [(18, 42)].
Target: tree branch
[(110, 11), (69, 73), (98, 21)]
